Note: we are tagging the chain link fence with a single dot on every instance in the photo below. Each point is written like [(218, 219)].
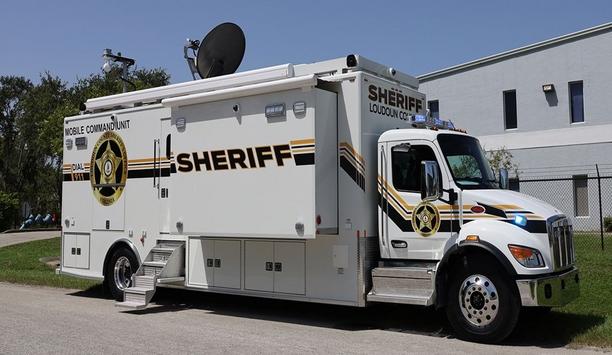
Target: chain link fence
[(585, 198)]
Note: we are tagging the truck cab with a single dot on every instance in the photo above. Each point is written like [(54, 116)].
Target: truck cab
[(493, 250)]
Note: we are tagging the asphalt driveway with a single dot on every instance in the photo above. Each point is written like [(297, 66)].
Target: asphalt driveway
[(22, 237)]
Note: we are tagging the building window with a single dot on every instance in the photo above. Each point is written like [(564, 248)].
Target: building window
[(514, 185), (434, 108), (576, 102), (581, 195), (510, 109)]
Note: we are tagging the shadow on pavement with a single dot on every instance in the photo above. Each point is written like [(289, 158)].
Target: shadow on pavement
[(96, 291), (379, 316), (542, 329), (552, 329)]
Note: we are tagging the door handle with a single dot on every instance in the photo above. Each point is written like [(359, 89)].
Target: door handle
[(154, 162), (209, 263), (399, 244), (269, 266), (217, 262), (73, 251), (278, 267)]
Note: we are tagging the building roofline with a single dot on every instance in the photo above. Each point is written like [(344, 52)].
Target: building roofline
[(515, 52)]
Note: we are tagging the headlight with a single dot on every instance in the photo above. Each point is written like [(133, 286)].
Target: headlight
[(527, 257)]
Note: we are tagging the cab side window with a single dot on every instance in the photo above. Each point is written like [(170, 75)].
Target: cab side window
[(406, 166)]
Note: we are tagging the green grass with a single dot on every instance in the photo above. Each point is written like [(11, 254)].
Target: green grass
[(595, 299), (19, 264), (587, 321)]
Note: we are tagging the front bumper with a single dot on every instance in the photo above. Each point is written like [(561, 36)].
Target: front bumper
[(550, 291)]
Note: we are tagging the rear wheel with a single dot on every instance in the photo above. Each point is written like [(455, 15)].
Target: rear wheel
[(119, 270), (482, 303)]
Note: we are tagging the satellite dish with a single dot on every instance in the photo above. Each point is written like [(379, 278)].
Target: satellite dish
[(219, 53)]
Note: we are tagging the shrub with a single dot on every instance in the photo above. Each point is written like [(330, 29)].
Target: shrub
[(9, 206), (608, 224)]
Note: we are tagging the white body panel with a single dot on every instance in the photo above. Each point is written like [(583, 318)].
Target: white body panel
[(248, 197)]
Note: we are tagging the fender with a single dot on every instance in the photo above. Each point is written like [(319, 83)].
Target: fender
[(129, 243), (464, 246), (461, 248)]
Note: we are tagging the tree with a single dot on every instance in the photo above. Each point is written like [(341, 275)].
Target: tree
[(31, 133), (502, 158), (13, 91)]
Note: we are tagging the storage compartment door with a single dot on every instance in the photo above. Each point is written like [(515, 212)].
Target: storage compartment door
[(227, 263), (69, 252), (258, 268), (201, 262), (289, 268), (82, 251)]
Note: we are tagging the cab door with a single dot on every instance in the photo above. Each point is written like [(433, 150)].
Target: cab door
[(411, 228)]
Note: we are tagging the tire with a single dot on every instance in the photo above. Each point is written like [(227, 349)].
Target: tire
[(119, 269), (482, 304)]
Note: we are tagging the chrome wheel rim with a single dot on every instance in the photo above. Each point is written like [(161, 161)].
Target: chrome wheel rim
[(123, 273), (479, 300)]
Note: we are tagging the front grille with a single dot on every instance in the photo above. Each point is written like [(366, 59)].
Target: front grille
[(561, 239)]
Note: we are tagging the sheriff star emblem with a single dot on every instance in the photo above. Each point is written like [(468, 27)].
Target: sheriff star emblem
[(425, 219), (108, 168)]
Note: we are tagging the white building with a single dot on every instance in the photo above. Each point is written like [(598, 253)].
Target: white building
[(550, 105)]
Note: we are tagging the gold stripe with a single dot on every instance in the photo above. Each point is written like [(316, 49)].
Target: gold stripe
[(352, 150), (143, 160), (395, 194), (302, 141), (465, 208), (302, 150)]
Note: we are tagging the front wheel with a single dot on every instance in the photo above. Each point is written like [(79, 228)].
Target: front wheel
[(119, 270), (482, 303)]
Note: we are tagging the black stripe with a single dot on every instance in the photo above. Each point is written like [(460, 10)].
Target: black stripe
[(494, 211), (405, 225), (402, 207), (519, 211), (350, 153), (532, 226), (147, 173), (445, 225), (304, 159), (352, 171), (70, 176), (300, 146)]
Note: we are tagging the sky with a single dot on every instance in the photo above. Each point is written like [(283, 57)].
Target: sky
[(67, 38)]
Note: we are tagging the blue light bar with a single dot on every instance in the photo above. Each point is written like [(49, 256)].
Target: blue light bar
[(419, 119), (431, 122)]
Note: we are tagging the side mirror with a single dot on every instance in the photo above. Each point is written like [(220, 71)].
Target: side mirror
[(430, 181), (503, 179)]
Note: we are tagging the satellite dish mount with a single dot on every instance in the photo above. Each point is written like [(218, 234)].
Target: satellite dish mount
[(219, 53)]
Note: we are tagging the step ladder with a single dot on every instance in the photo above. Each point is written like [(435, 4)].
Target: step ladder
[(165, 263), (414, 284)]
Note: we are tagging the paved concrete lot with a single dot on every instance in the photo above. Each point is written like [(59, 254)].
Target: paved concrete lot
[(46, 320), (16, 238)]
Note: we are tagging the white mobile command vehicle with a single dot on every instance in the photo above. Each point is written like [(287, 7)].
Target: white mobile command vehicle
[(324, 182)]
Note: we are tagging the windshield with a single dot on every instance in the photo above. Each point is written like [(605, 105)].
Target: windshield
[(467, 162)]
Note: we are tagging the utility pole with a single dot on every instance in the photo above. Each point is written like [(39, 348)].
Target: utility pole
[(125, 64)]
